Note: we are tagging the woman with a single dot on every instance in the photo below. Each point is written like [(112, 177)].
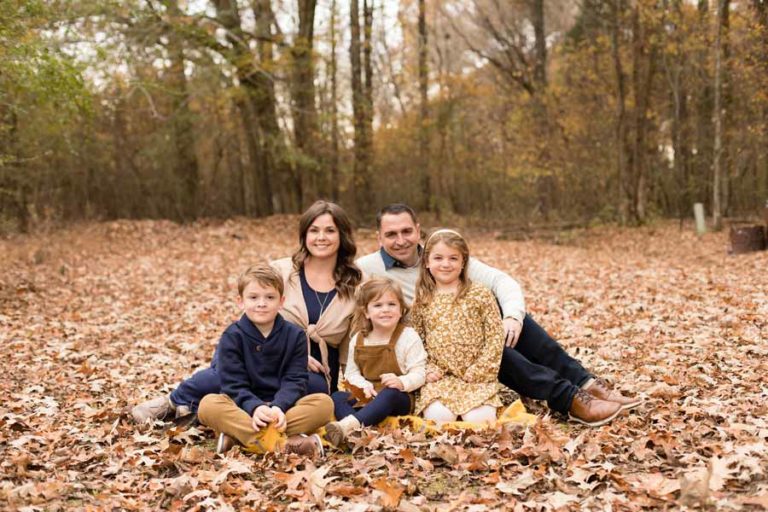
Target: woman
[(320, 281)]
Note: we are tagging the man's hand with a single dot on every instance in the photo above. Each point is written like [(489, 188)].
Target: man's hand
[(512, 330), (369, 391), (315, 366), (263, 415), (434, 376), (391, 380)]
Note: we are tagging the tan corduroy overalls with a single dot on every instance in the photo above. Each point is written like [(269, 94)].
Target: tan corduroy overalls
[(376, 360)]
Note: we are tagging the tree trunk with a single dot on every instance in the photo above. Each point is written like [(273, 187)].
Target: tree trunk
[(621, 113), (540, 65), (717, 118), (361, 175), (257, 108), (424, 167), (304, 109), (334, 160), (186, 167)]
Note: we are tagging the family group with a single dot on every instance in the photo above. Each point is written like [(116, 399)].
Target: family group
[(416, 328)]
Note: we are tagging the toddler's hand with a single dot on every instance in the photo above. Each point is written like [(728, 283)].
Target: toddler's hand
[(391, 380), (434, 376), (369, 391)]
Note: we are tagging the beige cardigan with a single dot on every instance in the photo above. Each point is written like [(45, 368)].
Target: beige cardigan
[(333, 326)]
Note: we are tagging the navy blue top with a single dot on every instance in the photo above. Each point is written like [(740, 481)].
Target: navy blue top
[(255, 370), (314, 300)]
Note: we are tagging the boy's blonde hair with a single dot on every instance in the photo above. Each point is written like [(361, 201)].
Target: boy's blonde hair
[(368, 292), (425, 286), (262, 274)]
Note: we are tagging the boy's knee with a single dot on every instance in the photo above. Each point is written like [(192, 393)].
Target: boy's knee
[(207, 407), (323, 404)]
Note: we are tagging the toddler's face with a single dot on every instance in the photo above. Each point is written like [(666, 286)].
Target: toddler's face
[(260, 303), (384, 311)]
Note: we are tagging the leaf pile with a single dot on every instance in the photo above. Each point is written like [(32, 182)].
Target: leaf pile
[(98, 317)]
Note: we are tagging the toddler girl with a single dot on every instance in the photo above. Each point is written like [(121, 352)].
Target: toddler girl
[(386, 361)]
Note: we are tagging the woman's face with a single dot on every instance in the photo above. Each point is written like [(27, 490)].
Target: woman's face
[(323, 237)]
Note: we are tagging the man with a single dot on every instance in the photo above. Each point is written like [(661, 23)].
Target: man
[(533, 363)]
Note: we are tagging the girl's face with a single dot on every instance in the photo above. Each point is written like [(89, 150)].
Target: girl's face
[(384, 311), (445, 264), (322, 237)]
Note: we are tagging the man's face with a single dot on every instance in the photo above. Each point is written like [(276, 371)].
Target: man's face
[(399, 236)]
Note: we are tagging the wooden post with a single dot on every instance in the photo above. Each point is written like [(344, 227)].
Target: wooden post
[(701, 224)]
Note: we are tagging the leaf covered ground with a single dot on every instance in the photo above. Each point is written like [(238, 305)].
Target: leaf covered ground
[(99, 316)]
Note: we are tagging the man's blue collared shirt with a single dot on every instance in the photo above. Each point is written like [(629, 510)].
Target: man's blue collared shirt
[(390, 262)]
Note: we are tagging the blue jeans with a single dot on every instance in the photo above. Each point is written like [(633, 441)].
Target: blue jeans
[(317, 382), (389, 402), (202, 383), (538, 367)]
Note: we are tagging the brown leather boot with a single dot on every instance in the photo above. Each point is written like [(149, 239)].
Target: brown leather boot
[(599, 388), (224, 443), (592, 411)]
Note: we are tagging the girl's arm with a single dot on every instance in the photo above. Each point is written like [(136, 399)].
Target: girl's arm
[(352, 372), (486, 367), (414, 363)]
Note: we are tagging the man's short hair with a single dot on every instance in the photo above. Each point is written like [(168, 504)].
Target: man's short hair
[(262, 274), (395, 209)]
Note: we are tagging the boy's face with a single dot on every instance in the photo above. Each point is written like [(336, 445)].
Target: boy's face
[(260, 303)]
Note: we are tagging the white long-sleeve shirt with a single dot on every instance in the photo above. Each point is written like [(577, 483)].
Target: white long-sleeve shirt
[(506, 290), (410, 354)]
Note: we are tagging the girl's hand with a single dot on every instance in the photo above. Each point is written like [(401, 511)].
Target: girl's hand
[(262, 416), (391, 380), (434, 376), (369, 391), (314, 365)]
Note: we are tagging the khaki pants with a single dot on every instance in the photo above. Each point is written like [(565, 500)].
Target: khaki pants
[(222, 414)]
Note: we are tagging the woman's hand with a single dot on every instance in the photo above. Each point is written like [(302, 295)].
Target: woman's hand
[(434, 376), (391, 380), (314, 365)]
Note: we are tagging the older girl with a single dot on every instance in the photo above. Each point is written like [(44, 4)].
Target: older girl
[(464, 337)]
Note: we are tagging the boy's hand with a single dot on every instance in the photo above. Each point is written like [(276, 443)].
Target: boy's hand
[(434, 376), (369, 391), (279, 418), (391, 380), (262, 416)]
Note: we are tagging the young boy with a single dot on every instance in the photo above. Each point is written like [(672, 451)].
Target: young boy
[(262, 364)]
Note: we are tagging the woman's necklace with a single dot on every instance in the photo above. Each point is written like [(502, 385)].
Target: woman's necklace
[(323, 302)]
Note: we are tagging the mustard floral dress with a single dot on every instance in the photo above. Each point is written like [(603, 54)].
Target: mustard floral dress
[(464, 340)]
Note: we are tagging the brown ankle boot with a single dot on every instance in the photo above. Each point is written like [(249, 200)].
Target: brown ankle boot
[(306, 446), (592, 411), (599, 388)]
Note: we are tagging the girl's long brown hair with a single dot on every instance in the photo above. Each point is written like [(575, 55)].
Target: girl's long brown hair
[(367, 293), (346, 274), (425, 286)]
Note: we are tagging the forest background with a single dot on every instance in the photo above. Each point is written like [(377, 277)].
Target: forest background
[(518, 111)]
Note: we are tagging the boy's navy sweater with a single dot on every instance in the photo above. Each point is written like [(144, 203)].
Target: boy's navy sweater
[(255, 371)]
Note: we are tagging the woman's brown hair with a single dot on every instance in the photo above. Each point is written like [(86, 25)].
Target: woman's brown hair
[(346, 274)]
